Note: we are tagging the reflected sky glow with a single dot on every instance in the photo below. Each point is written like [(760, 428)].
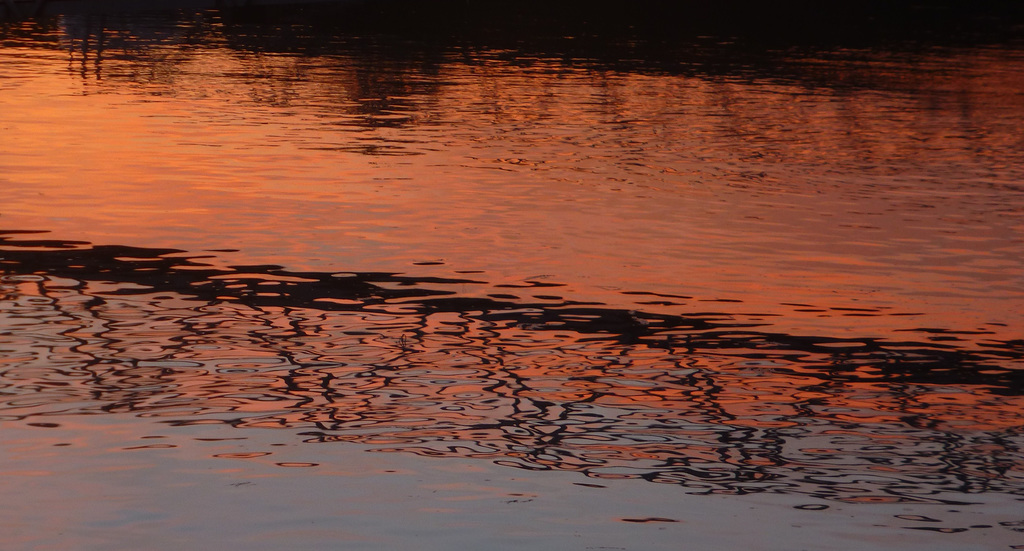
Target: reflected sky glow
[(783, 271), (773, 191)]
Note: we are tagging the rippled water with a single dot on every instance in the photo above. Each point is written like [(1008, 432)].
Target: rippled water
[(720, 262)]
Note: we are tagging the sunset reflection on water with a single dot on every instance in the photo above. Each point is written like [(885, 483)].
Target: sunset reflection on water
[(792, 271), (844, 182)]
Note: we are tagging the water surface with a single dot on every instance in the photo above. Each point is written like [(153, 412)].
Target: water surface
[(249, 248)]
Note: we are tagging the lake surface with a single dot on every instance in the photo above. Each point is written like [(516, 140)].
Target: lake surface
[(377, 276)]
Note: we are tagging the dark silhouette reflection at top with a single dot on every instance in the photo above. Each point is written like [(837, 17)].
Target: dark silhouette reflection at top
[(354, 69), (769, 41), (709, 402)]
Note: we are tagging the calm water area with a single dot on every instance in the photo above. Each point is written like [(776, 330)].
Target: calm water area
[(391, 275)]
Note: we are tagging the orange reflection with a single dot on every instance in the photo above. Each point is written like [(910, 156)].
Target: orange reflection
[(837, 197), (761, 193)]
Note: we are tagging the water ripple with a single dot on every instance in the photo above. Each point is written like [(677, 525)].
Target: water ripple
[(715, 404)]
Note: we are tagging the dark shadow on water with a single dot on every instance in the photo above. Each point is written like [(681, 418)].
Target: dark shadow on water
[(779, 22), (727, 38), (713, 403), (170, 270), (381, 64)]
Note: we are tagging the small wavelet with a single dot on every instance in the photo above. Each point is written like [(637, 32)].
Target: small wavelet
[(703, 402)]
